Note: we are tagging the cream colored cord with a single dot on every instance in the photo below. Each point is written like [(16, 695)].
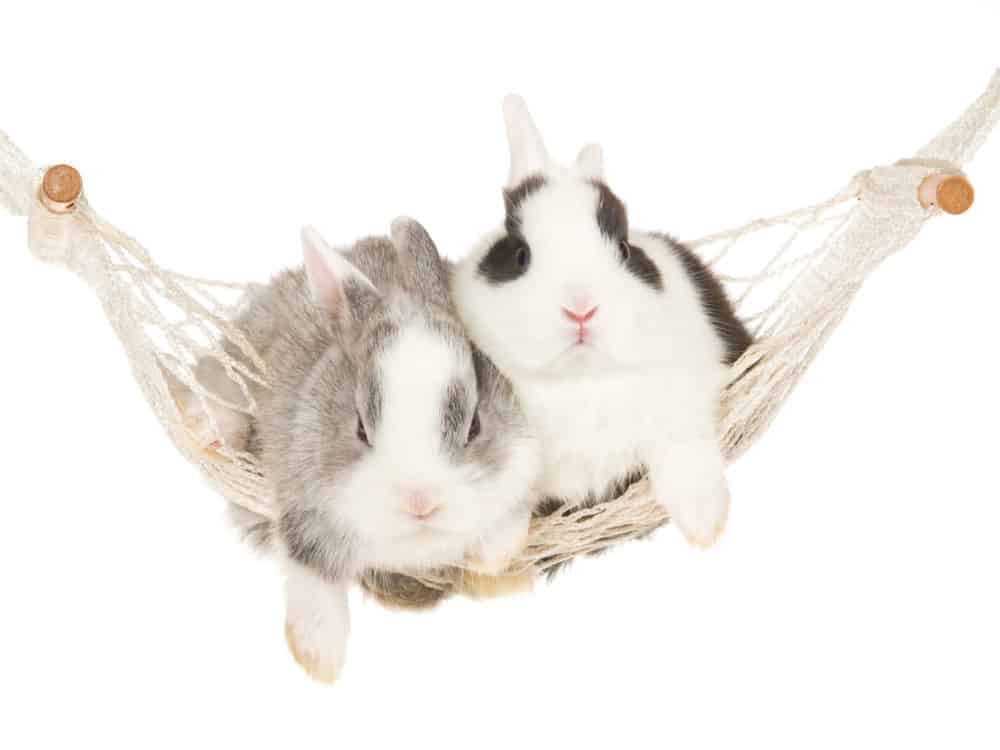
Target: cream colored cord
[(793, 277)]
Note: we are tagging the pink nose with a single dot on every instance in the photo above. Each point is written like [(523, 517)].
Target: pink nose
[(418, 505), (578, 317)]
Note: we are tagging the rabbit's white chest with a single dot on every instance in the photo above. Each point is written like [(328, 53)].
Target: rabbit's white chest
[(593, 432)]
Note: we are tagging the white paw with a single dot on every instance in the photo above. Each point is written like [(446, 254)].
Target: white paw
[(500, 546), (487, 586), (319, 649), (317, 622), (216, 426), (701, 515), (692, 486)]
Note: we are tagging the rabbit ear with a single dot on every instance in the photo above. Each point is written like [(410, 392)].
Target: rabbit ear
[(590, 162), (424, 266), (334, 283), (527, 150)]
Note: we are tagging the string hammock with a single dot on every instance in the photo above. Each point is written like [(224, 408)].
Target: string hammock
[(792, 278)]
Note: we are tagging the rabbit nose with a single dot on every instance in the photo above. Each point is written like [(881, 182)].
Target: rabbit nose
[(580, 317), (418, 505)]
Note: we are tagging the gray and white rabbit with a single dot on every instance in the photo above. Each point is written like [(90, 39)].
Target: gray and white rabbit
[(617, 342), (391, 443)]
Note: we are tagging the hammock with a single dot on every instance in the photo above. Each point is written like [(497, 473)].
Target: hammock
[(792, 298)]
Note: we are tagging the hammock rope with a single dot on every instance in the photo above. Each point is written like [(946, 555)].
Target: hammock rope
[(792, 276)]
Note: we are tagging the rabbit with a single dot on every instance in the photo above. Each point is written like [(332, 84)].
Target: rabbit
[(391, 442), (618, 342)]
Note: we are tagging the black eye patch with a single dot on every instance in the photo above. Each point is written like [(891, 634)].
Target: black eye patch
[(507, 260), (510, 256)]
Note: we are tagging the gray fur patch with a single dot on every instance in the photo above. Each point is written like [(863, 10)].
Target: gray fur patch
[(255, 529), (361, 300), (454, 414), (500, 418), (425, 271), (373, 403), (311, 540)]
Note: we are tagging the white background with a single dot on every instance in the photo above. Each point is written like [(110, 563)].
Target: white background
[(852, 602)]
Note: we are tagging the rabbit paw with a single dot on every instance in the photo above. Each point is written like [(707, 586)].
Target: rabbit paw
[(485, 575), (692, 486), (702, 516), (201, 421), (497, 549), (320, 653), (317, 622), (483, 586)]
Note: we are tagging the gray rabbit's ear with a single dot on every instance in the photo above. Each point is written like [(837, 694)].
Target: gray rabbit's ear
[(335, 284), (527, 150), (424, 267), (590, 162)]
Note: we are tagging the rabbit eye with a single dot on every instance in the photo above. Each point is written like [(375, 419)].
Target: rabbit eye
[(507, 260), (474, 428), (624, 250), (362, 435), (523, 257)]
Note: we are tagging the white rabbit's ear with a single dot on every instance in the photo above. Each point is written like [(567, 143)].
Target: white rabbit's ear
[(332, 278), (590, 162), (527, 150)]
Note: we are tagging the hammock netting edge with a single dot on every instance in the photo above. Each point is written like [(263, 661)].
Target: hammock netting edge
[(792, 294)]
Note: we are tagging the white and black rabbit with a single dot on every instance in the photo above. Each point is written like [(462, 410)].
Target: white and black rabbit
[(617, 342), (390, 441)]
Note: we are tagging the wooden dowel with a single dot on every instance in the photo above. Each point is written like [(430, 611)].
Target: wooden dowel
[(61, 188), (952, 193)]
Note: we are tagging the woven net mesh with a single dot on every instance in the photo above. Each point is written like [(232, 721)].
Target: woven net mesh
[(791, 276)]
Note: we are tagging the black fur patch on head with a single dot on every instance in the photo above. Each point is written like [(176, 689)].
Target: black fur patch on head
[(510, 256), (513, 198), (642, 267), (612, 218), (714, 302)]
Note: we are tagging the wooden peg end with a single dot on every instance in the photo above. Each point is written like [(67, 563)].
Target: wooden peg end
[(61, 188), (952, 193)]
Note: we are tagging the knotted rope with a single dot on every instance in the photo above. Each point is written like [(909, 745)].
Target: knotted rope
[(811, 264)]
